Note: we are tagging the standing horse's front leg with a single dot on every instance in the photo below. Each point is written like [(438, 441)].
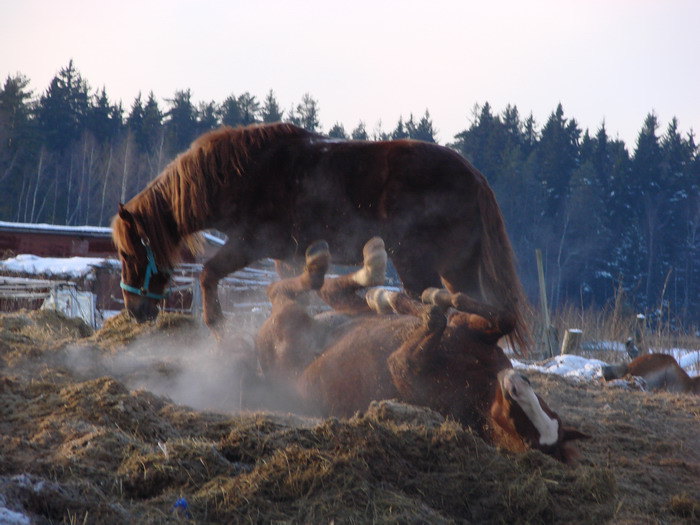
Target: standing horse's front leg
[(230, 258)]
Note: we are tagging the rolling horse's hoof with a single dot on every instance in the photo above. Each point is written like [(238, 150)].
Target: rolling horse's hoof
[(373, 271), (318, 258)]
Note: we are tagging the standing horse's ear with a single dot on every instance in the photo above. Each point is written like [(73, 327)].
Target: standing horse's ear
[(125, 215)]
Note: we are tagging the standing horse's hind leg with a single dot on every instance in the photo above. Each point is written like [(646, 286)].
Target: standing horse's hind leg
[(415, 267)]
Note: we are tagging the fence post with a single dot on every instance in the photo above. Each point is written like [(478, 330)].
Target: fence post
[(638, 333), (549, 332), (196, 306), (572, 341)]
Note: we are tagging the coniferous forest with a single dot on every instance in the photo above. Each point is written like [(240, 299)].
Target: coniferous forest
[(607, 216)]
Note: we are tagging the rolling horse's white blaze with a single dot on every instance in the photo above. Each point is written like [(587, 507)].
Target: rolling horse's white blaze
[(519, 389)]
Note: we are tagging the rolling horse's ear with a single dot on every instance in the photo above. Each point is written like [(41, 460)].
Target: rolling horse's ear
[(571, 434)]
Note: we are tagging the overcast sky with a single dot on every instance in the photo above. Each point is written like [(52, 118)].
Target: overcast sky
[(604, 60)]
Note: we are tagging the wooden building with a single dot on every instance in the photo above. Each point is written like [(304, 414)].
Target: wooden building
[(27, 286)]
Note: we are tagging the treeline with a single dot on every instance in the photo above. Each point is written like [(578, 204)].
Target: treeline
[(606, 220)]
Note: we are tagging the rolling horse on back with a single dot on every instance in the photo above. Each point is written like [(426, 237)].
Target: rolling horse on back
[(274, 189)]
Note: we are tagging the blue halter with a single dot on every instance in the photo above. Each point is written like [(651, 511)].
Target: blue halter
[(151, 270)]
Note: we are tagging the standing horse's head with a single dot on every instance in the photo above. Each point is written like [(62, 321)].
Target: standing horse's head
[(142, 281)]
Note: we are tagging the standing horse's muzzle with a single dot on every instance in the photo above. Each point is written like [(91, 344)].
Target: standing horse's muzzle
[(144, 312)]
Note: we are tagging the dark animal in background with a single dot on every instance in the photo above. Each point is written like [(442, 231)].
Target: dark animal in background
[(659, 371), (391, 346), (632, 349), (274, 189)]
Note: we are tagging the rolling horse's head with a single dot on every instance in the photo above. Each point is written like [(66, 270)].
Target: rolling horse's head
[(143, 281)]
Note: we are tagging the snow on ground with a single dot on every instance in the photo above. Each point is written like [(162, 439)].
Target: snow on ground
[(10, 517), (585, 369), (71, 267), (567, 365)]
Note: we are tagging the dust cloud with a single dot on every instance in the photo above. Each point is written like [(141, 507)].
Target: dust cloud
[(184, 363)]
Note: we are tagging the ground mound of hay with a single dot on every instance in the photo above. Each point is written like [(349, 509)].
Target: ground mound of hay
[(82, 446), (27, 334), (120, 330), (131, 455)]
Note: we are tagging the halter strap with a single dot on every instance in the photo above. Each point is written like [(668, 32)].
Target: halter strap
[(151, 270)]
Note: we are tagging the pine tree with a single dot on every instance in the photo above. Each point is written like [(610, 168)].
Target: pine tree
[(557, 156), (360, 132), (104, 119), (271, 111), (18, 142), (231, 114), (15, 112), (249, 108), (338, 132), (512, 126), (151, 135), (181, 123), (424, 130), (399, 131), (306, 114), (63, 108), (648, 202), (583, 261), (680, 189), (134, 120), (530, 136), (207, 117), (484, 142), (379, 134)]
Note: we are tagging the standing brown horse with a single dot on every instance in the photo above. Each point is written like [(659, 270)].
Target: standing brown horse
[(273, 189)]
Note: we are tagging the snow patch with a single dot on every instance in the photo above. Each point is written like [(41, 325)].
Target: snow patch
[(568, 365), (71, 267)]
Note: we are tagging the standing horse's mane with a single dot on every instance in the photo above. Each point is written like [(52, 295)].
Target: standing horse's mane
[(174, 206)]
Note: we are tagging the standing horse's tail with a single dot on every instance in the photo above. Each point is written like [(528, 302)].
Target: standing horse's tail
[(497, 272)]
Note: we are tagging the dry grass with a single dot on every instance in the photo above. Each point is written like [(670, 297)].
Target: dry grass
[(91, 450), (616, 323)]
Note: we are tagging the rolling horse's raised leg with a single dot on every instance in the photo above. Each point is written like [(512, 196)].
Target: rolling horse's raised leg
[(288, 340), (312, 278), (490, 321), (339, 293), (385, 301), (409, 362)]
